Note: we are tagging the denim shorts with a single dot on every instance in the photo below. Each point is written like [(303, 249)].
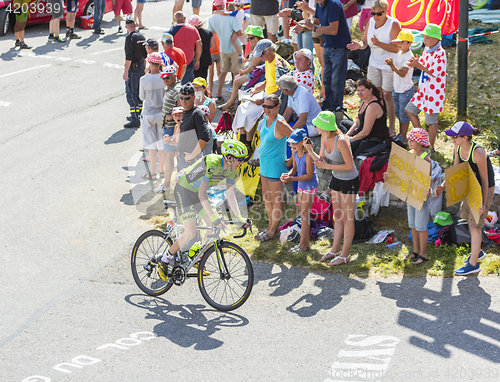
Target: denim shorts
[(419, 219), (141, 1), (72, 6), (196, 3), (169, 148), (400, 102)]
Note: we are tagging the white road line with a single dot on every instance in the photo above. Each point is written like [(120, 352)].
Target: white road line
[(5, 103), (25, 70), (106, 51), (159, 28)]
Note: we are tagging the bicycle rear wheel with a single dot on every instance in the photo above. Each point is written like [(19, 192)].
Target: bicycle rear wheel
[(147, 249), (225, 281)]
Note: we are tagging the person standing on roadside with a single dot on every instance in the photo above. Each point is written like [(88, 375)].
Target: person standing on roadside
[(138, 14), (207, 42), (135, 55), (176, 54), (70, 20), (264, 13), (99, 9), (187, 39), (124, 6), (21, 20), (56, 9)]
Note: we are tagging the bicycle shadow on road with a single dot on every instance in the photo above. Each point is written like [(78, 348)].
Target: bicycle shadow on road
[(464, 321), (187, 325)]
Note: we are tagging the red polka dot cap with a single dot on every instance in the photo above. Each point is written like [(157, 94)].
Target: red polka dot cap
[(419, 135)]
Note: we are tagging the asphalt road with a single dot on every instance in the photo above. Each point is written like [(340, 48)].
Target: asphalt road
[(70, 311)]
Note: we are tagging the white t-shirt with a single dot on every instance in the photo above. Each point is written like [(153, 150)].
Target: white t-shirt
[(402, 84)]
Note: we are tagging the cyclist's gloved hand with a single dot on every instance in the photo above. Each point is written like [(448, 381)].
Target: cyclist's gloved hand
[(219, 223)]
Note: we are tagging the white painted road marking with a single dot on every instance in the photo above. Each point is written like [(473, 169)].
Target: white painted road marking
[(5, 103), (24, 70), (106, 51)]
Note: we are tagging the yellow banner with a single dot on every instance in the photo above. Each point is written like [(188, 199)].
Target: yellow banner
[(249, 178), (408, 177), (462, 186)]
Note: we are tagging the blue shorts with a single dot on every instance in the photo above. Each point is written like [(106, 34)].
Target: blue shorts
[(418, 219), (196, 3), (271, 179), (141, 1), (169, 148), (400, 102), (72, 6)]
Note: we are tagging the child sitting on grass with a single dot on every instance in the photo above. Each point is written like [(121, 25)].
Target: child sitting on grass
[(304, 172), (417, 220)]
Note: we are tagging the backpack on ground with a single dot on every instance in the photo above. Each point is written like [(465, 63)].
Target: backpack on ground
[(362, 230)]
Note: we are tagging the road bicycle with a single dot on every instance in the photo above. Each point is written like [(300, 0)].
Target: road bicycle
[(224, 270)]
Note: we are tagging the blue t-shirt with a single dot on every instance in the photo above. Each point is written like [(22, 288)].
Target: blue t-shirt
[(329, 12), (224, 26)]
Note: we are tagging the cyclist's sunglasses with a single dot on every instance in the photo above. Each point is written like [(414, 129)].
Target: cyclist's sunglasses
[(377, 13), (186, 98)]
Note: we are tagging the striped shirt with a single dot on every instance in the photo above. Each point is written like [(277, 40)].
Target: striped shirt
[(169, 102)]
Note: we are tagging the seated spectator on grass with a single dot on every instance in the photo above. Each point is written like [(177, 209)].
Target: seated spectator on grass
[(301, 103), (303, 73)]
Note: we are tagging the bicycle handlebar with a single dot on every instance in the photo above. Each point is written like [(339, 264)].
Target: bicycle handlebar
[(217, 230)]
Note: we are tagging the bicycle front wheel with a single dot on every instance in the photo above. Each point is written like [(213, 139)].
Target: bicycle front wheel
[(149, 248), (225, 280)]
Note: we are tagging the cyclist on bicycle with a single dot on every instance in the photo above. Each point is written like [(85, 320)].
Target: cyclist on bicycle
[(191, 194)]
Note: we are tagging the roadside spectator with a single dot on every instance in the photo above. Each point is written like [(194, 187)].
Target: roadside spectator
[(215, 56), (467, 151), (264, 13), (99, 10), (207, 43), (138, 14), (371, 121), (194, 130), (21, 20), (274, 132), (303, 73), (431, 92), (187, 39), (135, 55), (151, 91), (302, 103), (225, 27), (72, 6), (176, 54), (209, 148), (344, 184), (330, 20), (151, 47), (242, 18), (403, 82), (170, 102), (365, 14), (200, 97), (57, 12), (351, 9), (254, 34), (196, 4), (307, 9), (303, 171), (381, 30), (124, 6)]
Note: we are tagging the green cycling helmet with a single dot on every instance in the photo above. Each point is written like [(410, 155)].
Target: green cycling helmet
[(234, 148)]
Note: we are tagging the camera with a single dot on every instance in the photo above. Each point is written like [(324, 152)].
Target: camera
[(296, 14)]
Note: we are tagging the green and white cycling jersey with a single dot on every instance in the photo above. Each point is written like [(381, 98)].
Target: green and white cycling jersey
[(209, 168)]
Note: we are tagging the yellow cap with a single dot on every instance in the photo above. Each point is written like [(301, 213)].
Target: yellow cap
[(200, 81), (404, 35)]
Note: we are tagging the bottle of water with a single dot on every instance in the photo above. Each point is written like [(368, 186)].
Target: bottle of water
[(194, 249), (395, 245)]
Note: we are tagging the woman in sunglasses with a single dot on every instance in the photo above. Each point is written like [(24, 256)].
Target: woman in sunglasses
[(381, 30), (274, 132)]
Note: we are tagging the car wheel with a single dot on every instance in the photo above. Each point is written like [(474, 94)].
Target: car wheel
[(89, 8), (4, 21)]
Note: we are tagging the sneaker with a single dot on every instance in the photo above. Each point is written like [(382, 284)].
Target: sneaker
[(468, 269), (161, 189), (163, 270), (23, 45), (51, 37), (59, 40), (480, 257), (73, 36), (18, 43), (120, 29), (98, 31)]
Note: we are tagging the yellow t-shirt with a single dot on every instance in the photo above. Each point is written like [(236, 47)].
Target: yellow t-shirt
[(270, 73)]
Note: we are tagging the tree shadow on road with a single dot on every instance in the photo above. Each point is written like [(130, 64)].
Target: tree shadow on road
[(464, 321), (186, 325)]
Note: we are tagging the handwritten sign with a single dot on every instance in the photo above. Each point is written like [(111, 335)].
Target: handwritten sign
[(408, 177), (463, 186)]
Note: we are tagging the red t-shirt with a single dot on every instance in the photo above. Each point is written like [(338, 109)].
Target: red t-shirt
[(178, 56), (185, 38)]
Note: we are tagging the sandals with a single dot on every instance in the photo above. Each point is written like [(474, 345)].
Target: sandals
[(296, 249), (219, 100), (162, 174), (265, 237), (424, 259), (329, 255), (412, 256), (149, 176), (256, 237), (330, 264)]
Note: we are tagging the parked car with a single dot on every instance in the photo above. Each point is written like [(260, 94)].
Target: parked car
[(38, 12)]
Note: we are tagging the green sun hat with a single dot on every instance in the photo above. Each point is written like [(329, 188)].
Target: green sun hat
[(432, 30), (325, 121), (255, 30), (443, 219)]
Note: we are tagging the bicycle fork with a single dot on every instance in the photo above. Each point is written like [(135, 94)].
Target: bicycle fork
[(221, 261)]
